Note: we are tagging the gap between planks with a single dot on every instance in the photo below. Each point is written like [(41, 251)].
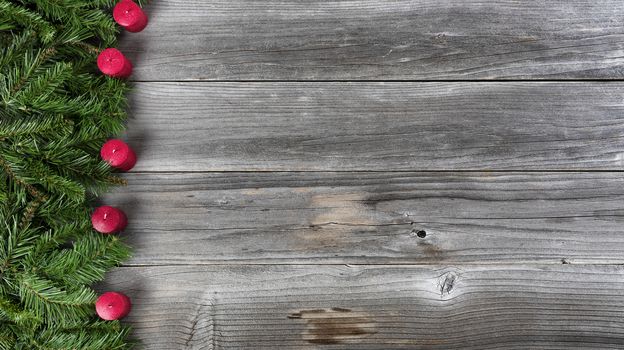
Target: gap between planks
[(407, 264), (606, 80), (468, 171)]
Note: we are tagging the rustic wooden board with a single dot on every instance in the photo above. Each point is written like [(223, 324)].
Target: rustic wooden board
[(372, 39), (377, 126), (375, 307), (247, 192), (374, 217)]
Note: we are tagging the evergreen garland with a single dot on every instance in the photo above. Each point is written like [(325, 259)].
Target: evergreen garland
[(56, 110)]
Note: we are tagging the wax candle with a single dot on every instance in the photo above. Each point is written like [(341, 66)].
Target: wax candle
[(107, 219), (118, 154), (113, 63), (113, 306), (130, 16)]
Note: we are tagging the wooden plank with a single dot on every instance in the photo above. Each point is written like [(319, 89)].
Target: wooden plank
[(374, 217), (377, 126), (375, 307), (372, 39)]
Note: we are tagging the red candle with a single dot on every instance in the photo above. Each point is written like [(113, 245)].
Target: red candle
[(113, 306), (107, 220), (130, 16), (113, 63), (118, 154)]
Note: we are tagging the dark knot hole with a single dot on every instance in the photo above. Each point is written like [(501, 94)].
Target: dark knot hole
[(421, 233)]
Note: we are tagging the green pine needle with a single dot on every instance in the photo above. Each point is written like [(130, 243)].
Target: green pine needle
[(56, 110)]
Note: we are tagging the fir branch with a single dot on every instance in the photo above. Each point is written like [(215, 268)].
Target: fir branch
[(31, 64), (87, 262), (28, 124), (55, 305), (7, 337), (55, 113), (11, 174), (29, 211), (10, 313), (16, 15)]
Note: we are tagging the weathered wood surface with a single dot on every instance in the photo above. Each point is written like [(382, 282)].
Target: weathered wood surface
[(251, 199), (377, 126), (374, 217), (372, 39), (375, 307)]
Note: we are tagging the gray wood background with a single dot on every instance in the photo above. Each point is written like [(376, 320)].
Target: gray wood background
[(367, 174)]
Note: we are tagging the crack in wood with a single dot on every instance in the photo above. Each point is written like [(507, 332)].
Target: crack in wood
[(204, 320)]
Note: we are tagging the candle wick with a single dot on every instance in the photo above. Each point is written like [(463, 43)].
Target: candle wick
[(105, 215)]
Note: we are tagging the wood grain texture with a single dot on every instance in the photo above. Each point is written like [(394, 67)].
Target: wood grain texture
[(372, 39), (377, 126), (251, 201), (370, 217), (375, 307)]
